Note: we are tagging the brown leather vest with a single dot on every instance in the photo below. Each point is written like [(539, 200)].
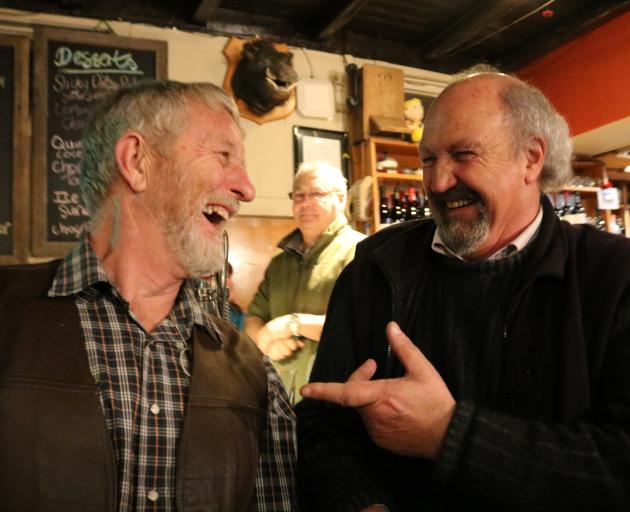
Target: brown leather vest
[(55, 450)]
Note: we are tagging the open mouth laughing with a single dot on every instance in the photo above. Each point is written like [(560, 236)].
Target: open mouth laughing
[(460, 203), (216, 214)]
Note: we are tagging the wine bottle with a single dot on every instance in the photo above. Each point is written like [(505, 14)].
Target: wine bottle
[(413, 205), (387, 213), (383, 206), (579, 210), (403, 206)]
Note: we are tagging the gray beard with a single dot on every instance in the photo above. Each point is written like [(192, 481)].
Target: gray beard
[(197, 256), (461, 238)]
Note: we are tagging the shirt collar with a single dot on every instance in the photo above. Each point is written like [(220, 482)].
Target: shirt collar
[(81, 272), (516, 245), (294, 241)]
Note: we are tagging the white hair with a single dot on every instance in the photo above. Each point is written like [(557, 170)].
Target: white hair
[(330, 176), (156, 109)]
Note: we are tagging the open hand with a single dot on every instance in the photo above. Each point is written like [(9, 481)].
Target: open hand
[(408, 415)]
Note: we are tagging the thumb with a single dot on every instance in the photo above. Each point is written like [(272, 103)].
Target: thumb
[(413, 360)]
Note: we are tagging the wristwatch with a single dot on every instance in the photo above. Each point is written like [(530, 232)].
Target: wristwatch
[(294, 325)]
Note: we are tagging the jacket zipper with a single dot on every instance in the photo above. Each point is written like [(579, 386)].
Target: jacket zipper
[(388, 353)]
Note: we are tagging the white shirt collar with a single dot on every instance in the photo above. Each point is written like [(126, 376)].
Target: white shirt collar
[(516, 245)]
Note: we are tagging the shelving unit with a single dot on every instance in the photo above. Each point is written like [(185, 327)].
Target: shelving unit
[(367, 153), (365, 156), (600, 167), (620, 179)]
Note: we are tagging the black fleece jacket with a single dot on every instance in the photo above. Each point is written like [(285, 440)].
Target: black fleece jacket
[(561, 441)]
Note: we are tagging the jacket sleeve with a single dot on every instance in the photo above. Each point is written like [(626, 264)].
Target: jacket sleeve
[(260, 305), (336, 459), (536, 465)]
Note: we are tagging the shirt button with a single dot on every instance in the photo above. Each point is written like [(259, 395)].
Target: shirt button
[(155, 409), (153, 495)]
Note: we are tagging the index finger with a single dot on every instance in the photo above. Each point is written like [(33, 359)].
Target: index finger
[(347, 394)]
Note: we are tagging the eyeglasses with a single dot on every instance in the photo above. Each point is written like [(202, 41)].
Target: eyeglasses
[(318, 195)]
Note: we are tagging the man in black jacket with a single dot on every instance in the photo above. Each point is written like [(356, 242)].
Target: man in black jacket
[(514, 393)]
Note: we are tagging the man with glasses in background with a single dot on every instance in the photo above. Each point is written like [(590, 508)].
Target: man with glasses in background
[(286, 316)]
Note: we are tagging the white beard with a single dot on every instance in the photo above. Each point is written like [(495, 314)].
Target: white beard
[(197, 255)]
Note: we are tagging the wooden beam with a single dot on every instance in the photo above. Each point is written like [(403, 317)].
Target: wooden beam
[(470, 27), (205, 11), (343, 17)]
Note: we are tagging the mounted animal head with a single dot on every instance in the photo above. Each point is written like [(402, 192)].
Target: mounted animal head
[(264, 76)]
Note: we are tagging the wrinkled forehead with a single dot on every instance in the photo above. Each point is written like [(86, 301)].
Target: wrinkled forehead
[(472, 101)]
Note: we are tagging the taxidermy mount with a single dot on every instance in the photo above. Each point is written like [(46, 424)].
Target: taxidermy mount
[(263, 78)]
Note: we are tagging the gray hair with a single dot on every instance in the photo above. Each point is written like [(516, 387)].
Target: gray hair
[(153, 108), (328, 174), (529, 112)]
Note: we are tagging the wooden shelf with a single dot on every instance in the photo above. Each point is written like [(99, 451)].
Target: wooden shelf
[(614, 161), (365, 156), (618, 176), (398, 176), (395, 146), (586, 190)]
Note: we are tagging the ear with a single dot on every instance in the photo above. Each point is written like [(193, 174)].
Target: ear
[(132, 158), (535, 158)]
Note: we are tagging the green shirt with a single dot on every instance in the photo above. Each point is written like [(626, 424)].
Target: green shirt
[(302, 283)]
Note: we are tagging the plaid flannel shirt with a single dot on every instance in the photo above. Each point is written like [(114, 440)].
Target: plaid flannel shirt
[(143, 381)]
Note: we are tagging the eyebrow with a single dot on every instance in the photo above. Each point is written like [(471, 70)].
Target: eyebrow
[(457, 145), (222, 141)]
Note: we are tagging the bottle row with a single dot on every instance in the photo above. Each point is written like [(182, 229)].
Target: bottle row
[(568, 206), (398, 204)]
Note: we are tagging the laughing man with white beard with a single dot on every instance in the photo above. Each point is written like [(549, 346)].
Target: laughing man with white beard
[(118, 391)]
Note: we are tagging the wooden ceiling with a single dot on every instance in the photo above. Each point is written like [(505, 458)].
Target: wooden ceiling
[(439, 35)]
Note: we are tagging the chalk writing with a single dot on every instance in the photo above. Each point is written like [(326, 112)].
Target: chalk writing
[(73, 230), (88, 61), (88, 89), (79, 75), (69, 204)]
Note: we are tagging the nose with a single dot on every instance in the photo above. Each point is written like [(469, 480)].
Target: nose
[(440, 177), (241, 186)]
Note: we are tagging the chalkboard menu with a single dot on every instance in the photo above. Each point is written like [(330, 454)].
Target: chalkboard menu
[(75, 70), (14, 172)]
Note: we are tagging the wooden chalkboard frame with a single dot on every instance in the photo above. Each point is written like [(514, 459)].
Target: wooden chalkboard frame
[(21, 146), (40, 245)]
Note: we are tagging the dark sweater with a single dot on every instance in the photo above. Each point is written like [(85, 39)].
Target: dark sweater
[(461, 305), (558, 437)]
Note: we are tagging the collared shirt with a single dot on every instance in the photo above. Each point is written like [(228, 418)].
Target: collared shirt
[(143, 381), (516, 245)]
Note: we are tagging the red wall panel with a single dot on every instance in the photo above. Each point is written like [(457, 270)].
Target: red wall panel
[(588, 79)]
